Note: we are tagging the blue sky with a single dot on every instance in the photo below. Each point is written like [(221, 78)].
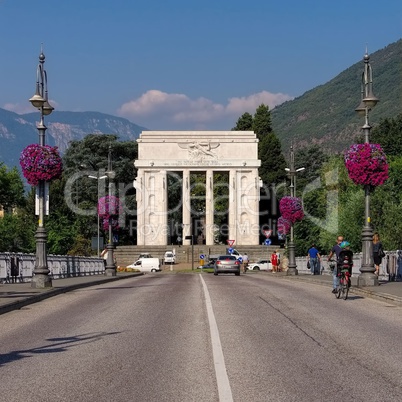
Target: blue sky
[(184, 65)]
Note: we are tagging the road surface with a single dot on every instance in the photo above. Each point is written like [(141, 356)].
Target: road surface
[(199, 337)]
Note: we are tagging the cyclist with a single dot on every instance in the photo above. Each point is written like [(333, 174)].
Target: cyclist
[(335, 250), (345, 260)]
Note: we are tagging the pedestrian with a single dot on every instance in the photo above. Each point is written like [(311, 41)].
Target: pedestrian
[(399, 265), (313, 256), (335, 250), (279, 261), (378, 252), (274, 261), (179, 240), (104, 255), (245, 262)]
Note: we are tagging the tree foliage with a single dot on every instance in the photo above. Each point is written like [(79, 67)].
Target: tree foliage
[(244, 123), (12, 188)]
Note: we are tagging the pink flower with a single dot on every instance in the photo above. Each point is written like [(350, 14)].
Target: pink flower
[(108, 209), (284, 225), (40, 163), (291, 209), (366, 164)]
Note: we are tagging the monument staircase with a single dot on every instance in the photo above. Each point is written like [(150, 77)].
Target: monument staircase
[(126, 255)]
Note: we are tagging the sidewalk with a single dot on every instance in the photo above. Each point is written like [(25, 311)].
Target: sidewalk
[(14, 296), (386, 291)]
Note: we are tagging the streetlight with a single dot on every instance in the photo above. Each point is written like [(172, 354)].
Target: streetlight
[(110, 269), (97, 177), (292, 270), (41, 278), (368, 101)]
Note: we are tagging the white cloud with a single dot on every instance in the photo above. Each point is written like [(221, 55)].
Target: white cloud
[(18, 108), (24, 108), (238, 106), (157, 108)]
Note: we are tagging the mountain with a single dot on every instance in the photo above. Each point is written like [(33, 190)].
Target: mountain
[(326, 114), (18, 131)]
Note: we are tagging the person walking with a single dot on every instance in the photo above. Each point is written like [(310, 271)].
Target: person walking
[(378, 252), (274, 261), (313, 256), (245, 262), (335, 250)]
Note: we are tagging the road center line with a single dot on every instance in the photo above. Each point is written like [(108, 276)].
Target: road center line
[(224, 390)]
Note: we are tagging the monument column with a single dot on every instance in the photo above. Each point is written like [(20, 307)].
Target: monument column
[(186, 212), (155, 207), (209, 208), (140, 198), (233, 202)]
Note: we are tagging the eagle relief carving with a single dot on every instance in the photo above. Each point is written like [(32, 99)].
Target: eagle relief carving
[(200, 151)]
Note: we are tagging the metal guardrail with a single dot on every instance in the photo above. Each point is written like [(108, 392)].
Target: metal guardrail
[(18, 267)]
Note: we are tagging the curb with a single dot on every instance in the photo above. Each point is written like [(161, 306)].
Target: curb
[(57, 291)]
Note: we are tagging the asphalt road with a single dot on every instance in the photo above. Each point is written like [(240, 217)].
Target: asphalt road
[(149, 339)]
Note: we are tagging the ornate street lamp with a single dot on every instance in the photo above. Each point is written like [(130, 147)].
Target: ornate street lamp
[(110, 269), (98, 177), (368, 101), (292, 270), (41, 278)]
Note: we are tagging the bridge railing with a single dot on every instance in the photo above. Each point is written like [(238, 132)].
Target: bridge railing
[(388, 268), (18, 267)]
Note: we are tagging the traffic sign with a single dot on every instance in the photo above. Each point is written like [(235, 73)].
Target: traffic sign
[(230, 250), (267, 233), (202, 256), (230, 242), (267, 242)]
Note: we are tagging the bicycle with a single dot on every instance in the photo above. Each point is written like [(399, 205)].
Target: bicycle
[(344, 283)]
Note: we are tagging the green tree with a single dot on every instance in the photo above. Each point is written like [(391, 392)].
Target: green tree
[(262, 124), (388, 133), (244, 123), (89, 156), (16, 234), (12, 188)]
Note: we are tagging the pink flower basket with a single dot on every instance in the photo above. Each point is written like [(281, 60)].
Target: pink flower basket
[(40, 163), (291, 209), (109, 209), (283, 225), (366, 164)]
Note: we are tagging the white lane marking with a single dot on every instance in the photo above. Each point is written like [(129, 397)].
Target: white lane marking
[(224, 390)]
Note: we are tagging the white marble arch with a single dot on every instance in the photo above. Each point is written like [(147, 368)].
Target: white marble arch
[(160, 152)]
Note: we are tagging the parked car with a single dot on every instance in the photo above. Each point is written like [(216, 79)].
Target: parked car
[(169, 257), (144, 255), (146, 265), (227, 264), (262, 265)]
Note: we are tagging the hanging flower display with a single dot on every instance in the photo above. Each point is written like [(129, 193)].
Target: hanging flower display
[(40, 163), (291, 209), (113, 221), (283, 225), (366, 164), (109, 208)]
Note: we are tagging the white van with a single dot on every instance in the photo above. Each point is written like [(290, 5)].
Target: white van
[(169, 257), (147, 265)]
